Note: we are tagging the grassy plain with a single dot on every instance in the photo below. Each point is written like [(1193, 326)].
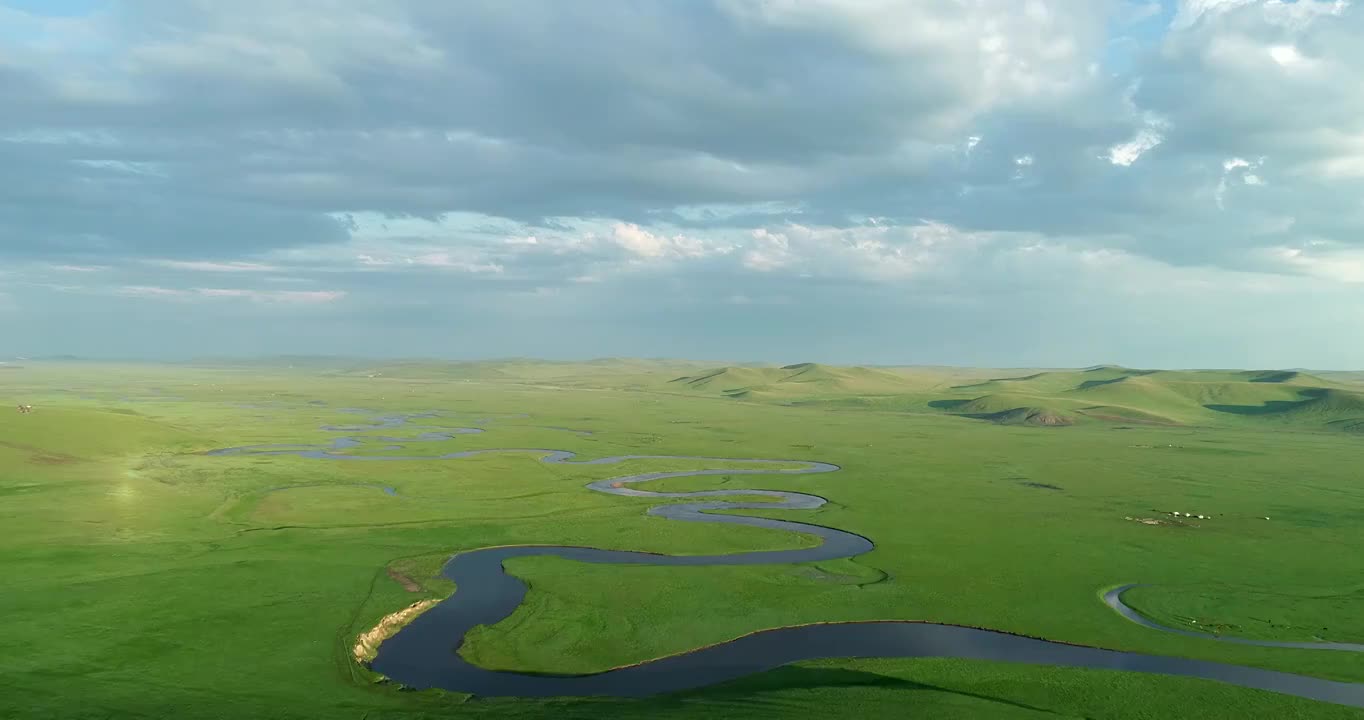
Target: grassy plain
[(144, 579)]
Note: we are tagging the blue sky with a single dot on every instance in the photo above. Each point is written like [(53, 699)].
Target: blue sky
[(57, 8), (985, 182)]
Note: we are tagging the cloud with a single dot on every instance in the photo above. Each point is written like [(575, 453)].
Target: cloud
[(1338, 265), (212, 266), (1237, 167), (304, 297), (1033, 165), (150, 291), (1191, 11), (644, 244), (1248, 62), (445, 260), (1126, 153)]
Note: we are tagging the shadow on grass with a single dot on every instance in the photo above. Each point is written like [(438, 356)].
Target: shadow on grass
[(747, 692), (947, 404), (1033, 376), (1099, 383), (1271, 407), (1275, 376)]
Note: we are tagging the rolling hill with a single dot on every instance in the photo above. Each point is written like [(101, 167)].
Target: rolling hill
[(792, 381), (1099, 394)]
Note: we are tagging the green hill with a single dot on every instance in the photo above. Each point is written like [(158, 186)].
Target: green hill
[(851, 378), (1056, 381), (995, 403), (1010, 409), (1118, 394), (1142, 393), (1118, 413), (1040, 416), (1322, 405), (801, 379), (1103, 393), (729, 379), (1296, 377)]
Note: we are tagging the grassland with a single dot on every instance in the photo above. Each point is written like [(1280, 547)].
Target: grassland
[(147, 580)]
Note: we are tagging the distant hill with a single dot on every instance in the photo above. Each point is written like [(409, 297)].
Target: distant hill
[(1097, 394), (600, 372), (311, 362), (1288, 397), (1292, 398), (1040, 416), (791, 381)]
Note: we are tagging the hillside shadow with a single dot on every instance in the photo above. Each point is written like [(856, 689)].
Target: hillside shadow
[(947, 404), (1270, 407), (985, 383), (744, 691), (1040, 485), (1099, 383), (1275, 377)]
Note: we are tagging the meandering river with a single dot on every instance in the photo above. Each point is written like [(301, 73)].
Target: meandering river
[(424, 654)]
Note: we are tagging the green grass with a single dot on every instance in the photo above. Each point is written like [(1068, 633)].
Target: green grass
[(147, 580), (1295, 613)]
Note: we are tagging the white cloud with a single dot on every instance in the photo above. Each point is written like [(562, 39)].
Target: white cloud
[(866, 252), (468, 262), (713, 212), (307, 297), (302, 297), (213, 266), (422, 155), (644, 244), (1339, 265), (1126, 153), (1002, 50), (1233, 167), (1345, 160), (150, 291), (1296, 15), (1286, 55), (1191, 11), (769, 251), (450, 262), (125, 166), (89, 138)]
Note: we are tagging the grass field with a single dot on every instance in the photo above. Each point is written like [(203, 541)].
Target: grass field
[(145, 579)]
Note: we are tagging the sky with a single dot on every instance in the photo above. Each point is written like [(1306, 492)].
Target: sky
[(1004, 183)]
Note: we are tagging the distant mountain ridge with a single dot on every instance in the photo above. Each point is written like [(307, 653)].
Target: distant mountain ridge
[(800, 378), (1105, 393), (1054, 398)]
